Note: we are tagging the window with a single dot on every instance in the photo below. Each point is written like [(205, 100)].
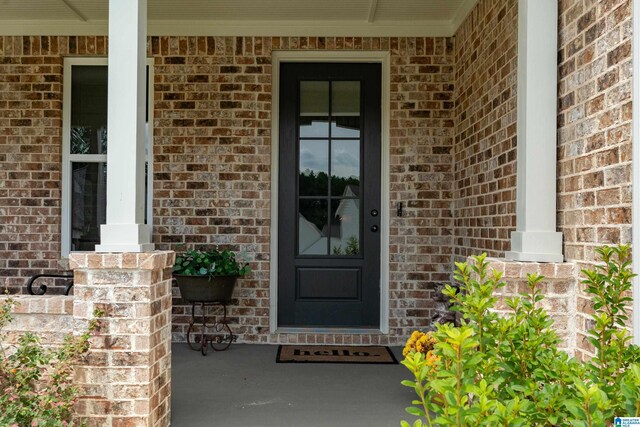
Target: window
[(84, 152)]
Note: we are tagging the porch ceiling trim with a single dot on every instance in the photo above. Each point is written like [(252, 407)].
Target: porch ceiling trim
[(74, 10), (239, 28), (461, 14)]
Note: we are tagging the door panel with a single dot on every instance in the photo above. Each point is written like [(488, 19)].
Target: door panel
[(318, 283), (329, 239)]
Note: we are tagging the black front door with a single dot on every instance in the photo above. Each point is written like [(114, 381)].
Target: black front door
[(329, 202)]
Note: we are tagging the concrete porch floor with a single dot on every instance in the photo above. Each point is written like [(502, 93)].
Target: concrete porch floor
[(244, 386)]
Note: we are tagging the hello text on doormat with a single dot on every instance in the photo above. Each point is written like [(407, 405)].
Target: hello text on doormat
[(335, 354)]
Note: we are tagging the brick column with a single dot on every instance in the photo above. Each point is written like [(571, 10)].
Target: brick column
[(126, 380), (559, 288)]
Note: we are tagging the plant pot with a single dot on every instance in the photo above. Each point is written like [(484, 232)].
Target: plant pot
[(205, 288)]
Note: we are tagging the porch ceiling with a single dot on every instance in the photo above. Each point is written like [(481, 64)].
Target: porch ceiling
[(244, 17)]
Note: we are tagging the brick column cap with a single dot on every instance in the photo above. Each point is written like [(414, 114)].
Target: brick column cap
[(122, 260)]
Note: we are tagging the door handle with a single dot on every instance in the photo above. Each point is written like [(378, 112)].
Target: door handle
[(374, 228)]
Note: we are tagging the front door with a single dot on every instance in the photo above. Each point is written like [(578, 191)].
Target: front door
[(329, 203)]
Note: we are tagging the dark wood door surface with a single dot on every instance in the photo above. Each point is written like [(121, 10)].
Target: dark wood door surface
[(329, 199)]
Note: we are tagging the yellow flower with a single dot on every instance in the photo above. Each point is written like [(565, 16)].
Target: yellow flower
[(419, 342), (432, 360), (410, 347), (422, 344), (416, 335)]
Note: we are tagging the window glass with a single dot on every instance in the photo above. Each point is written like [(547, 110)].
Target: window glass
[(88, 204), (329, 168), (345, 98), (89, 110), (345, 223), (313, 227), (84, 157), (314, 168), (314, 98)]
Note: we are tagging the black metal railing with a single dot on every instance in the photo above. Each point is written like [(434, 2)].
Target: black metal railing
[(42, 289)]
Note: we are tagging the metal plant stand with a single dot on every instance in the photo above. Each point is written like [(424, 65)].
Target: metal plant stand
[(201, 335)]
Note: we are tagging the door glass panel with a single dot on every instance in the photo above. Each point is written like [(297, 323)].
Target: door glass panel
[(314, 168), (314, 109), (314, 127), (345, 168), (345, 127), (328, 159), (345, 98), (313, 227), (89, 109), (345, 220), (88, 204), (314, 98)]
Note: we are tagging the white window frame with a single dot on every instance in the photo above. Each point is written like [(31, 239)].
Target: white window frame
[(68, 158)]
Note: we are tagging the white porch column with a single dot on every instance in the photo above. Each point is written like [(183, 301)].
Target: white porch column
[(125, 230), (535, 238)]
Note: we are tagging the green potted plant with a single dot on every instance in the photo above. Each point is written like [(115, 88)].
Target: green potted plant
[(208, 275)]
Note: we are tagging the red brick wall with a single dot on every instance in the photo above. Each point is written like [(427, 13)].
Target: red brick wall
[(213, 154), (50, 317), (485, 147), (594, 144), (30, 155), (422, 137), (594, 131), (212, 159), (594, 126), (558, 288), (452, 148)]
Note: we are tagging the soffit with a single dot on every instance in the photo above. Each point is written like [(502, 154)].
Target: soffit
[(250, 17)]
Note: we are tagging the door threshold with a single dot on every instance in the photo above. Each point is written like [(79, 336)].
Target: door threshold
[(347, 331)]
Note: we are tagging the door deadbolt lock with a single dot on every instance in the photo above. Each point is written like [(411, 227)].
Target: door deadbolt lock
[(374, 212)]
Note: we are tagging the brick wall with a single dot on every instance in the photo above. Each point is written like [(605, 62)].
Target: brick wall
[(594, 132), (126, 380), (594, 126), (50, 317), (213, 155), (452, 153), (559, 290), (212, 159), (594, 135), (30, 156), (126, 377), (485, 147), (594, 145)]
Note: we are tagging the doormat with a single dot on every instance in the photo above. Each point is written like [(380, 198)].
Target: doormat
[(335, 354)]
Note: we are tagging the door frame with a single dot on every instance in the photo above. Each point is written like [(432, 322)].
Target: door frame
[(383, 58)]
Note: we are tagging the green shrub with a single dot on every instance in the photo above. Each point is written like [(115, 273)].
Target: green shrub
[(508, 371), (214, 262), (36, 387)]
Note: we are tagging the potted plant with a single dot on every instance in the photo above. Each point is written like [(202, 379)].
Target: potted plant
[(208, 276)]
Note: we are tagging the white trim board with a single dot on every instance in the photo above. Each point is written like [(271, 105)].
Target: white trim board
[(383, 58)]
